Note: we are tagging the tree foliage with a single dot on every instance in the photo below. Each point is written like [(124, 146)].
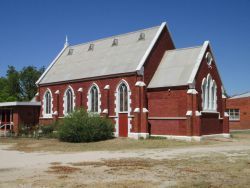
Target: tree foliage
[(19, 85)]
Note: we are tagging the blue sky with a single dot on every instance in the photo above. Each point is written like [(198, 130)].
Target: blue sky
[(32, 32)]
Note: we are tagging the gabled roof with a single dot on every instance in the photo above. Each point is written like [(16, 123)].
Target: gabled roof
[(127, 57), (176, 67), (243, 95)]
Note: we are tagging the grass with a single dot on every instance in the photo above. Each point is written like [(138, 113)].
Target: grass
[(57, 169), (243, 135), (188, 171), (33, 145), (53, 145)]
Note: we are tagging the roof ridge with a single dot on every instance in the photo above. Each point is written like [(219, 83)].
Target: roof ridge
[(114, 36), (186, 48), (240, 94)]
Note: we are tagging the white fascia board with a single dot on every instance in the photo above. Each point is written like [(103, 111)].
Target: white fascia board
[(145, 56), (5, 104), (198, 62), (51, 64), (211, 51)]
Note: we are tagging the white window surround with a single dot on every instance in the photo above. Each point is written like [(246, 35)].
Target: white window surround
[(123, 93), (65, 100), (209, 58), (117, 107), (234, 114), (209, 94), (89, 98), (49, 115)]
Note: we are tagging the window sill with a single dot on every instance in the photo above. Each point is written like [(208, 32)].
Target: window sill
[(234, 120), (210, 111), (47, 115), (122, 112)]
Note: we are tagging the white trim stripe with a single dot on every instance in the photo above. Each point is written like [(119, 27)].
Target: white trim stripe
[(198, 62), (50, 66), (151, 46), (3, 104)]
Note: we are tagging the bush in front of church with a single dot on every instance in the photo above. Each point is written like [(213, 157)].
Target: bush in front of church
[(81, 126)]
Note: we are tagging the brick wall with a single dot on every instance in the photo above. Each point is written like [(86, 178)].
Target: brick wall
[(210, 123), (101, 83), (164, 43), (166, 107), (25, 115), (243, 104)]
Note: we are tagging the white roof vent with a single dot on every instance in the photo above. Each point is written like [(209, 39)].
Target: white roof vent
[(70, 51), (91, 47), (142, 36), (115, 42)]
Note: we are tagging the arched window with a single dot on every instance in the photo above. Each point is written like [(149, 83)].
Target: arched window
[(214, 96), (123, 98), (47, 103), (94, 99), (203, 89), (209, 94), (69, 101)]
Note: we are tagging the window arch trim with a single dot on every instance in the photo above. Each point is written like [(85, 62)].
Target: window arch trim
[(94, 104), (209, 94), (68, 107), (47, 105)]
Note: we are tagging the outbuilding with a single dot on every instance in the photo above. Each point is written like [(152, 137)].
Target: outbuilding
[(238, 108)]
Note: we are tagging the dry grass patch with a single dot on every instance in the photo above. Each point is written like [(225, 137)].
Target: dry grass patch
[(244, 135), (57, 169), (122, 184), (213, 170), (55, 163), (53, 145)]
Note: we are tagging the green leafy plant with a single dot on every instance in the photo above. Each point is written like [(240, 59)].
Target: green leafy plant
[(81, 126)]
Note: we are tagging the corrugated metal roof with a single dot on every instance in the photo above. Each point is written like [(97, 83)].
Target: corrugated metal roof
[(175, 67), (103, 60), (243, 95)]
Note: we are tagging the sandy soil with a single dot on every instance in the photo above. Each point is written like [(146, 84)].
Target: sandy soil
[(130, 168)]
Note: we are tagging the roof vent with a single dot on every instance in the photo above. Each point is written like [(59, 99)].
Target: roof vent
[(115, 42), (91, 47), (70, 52), (142, 36)]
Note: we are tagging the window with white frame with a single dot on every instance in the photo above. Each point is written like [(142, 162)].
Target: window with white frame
[(234, 114), (47, 106), (209, 58), (123, 98), (69, 101), (209, 94), (94, 99)]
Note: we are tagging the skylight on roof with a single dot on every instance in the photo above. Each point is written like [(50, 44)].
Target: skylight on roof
[(91, 47), (115, 42), (142, 36), (70, 52)]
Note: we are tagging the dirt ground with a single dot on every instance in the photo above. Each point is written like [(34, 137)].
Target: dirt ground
[(213, 163)]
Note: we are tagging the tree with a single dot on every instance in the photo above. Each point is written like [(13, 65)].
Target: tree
[(3, 89), (19, 85), (12, 87), (28, 77)]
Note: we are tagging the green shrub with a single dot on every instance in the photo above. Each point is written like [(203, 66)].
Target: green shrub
[(47, 129), (80, 126)]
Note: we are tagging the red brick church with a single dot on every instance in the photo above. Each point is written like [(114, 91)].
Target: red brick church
[(140, 81)]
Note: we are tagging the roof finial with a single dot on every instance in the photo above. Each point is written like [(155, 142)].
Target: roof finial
[(66, 44)]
